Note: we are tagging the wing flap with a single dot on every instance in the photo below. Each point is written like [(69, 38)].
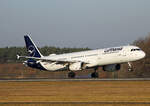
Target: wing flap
[(50, 60)]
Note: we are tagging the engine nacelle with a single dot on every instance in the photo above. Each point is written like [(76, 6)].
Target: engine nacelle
[(112, 67), (76, 66)]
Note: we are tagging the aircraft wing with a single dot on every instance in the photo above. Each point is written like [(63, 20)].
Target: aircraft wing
[(51, 60)]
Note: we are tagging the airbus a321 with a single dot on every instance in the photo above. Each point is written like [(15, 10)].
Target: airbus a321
[(110, 59)]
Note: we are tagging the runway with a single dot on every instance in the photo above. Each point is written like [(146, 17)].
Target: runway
[(90, 79), (76, 92)]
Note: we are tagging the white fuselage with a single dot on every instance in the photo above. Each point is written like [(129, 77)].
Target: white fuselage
[(100, 57)]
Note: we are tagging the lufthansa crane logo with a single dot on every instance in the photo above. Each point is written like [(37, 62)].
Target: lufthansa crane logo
[(31, 50)]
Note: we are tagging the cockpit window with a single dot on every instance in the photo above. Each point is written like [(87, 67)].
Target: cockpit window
[(136, 49)]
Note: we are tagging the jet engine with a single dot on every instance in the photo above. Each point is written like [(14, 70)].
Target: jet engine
[(112, 67), (76, 66)]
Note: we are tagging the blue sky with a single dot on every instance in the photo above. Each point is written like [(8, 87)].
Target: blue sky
[(74, 23)]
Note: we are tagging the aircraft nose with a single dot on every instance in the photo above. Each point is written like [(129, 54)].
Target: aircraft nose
[(143, 54)]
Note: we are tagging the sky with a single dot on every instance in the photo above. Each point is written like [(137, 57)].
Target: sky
[(74, 23)]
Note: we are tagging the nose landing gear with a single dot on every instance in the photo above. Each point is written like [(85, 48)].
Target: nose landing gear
[(130, 68)]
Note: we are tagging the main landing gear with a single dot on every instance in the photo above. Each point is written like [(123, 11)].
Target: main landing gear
[(95, 73), (130, 68), (71, 74)]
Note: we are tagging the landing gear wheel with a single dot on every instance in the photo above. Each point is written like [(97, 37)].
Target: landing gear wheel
[(94, 75), (71, 74), (130, 69)]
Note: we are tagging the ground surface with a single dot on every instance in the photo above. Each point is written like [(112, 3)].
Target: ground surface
[(71, 93)]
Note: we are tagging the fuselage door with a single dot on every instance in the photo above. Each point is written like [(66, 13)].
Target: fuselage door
[(122, 55)]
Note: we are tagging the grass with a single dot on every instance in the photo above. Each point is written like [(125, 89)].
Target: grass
[(74, 104), (84, 92)]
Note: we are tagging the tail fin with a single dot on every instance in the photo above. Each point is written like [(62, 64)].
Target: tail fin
[(31, 47)]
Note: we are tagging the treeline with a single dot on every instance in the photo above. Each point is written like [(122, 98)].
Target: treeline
[(8, 54)]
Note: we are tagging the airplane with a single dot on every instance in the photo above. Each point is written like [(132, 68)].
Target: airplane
[(110, 59)]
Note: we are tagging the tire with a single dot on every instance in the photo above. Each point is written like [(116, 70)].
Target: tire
[(94, 75), (130, 69), (71, 75)]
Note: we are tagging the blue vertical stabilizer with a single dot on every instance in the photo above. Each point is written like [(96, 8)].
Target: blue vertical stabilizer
[(31, 47)]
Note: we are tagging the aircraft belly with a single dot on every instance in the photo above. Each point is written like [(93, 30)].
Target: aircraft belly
[(52, 67)]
